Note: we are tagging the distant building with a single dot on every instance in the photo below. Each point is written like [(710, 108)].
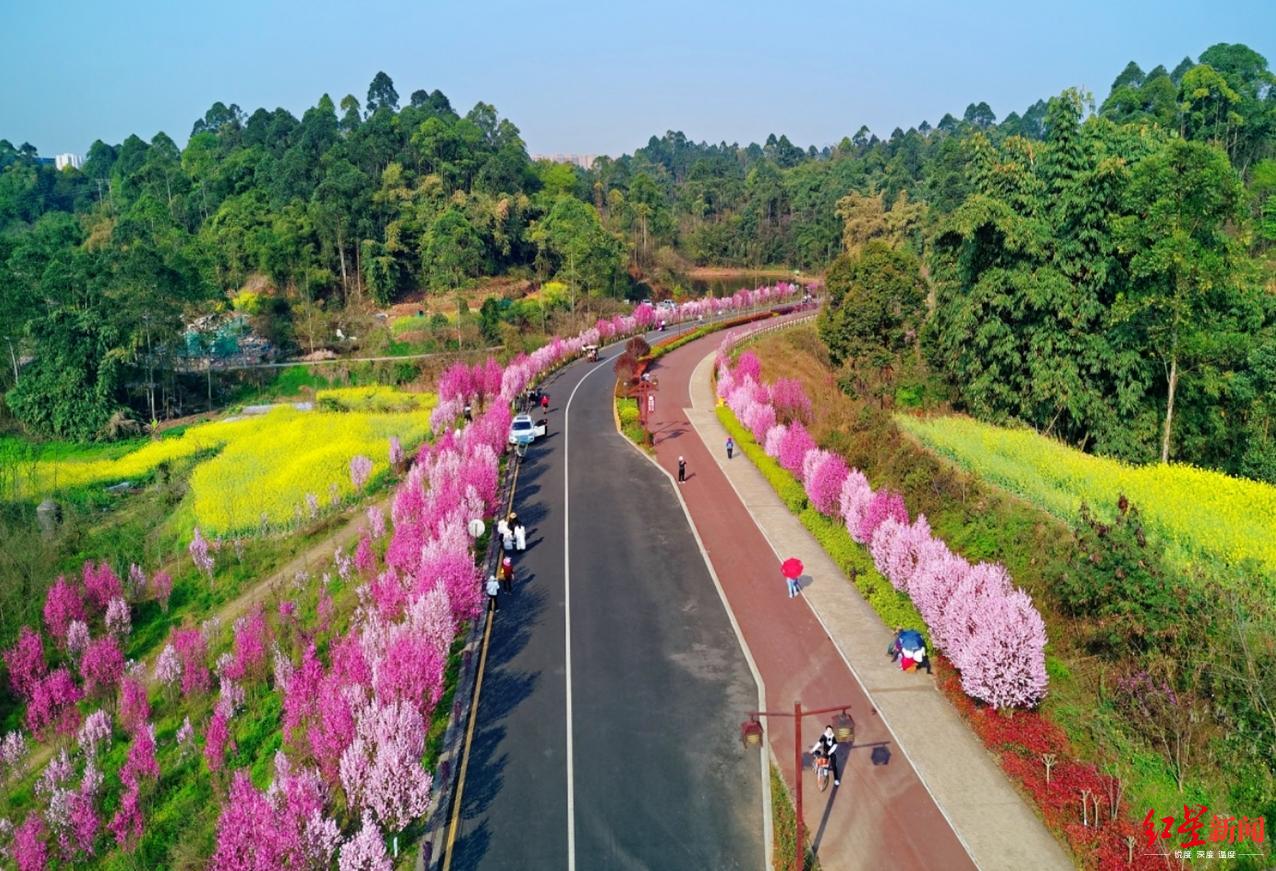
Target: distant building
[(584, 161), (62, 161)]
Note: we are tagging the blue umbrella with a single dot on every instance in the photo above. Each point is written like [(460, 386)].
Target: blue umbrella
[(910, 639)]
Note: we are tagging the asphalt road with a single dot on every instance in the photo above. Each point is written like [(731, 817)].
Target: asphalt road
[(658, 680)]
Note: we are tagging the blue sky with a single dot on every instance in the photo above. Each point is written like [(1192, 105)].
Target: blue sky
[(586, 77)]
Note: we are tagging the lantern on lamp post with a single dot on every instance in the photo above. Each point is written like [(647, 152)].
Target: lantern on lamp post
[(751, 736)]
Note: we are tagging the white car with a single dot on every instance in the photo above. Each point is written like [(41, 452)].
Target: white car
[(524, 431)]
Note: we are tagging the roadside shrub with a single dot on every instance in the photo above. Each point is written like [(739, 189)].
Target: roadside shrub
[(1119, 583)]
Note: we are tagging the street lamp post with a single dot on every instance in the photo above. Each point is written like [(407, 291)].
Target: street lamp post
[(646, 399), (751, 736)]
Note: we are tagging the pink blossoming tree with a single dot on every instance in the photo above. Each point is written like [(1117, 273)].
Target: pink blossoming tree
[(25, 662)]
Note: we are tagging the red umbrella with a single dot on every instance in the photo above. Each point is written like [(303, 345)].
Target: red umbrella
[(791, 567)]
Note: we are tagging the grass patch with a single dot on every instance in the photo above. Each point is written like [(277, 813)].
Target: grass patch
[(784, 827)]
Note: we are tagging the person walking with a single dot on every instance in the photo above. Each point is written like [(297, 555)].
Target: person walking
[(502, 528), (827, 744), (507, 575), (493, 591), (545, 401), (682, 471), (730, 447), (507, 539), (520, 537), (794, 589)]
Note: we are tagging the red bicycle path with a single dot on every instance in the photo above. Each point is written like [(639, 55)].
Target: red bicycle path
[(881, 815)]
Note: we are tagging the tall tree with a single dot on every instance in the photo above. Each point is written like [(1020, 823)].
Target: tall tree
[(1183, 262)]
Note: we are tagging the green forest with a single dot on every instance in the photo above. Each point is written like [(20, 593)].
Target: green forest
[(1041, 268)]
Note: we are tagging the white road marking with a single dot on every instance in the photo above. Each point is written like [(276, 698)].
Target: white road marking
[(567, 615)]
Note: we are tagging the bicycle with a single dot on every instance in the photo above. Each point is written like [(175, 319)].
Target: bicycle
[(823, 771)]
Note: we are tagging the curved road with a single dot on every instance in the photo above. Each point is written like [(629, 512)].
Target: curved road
[(655, 681)]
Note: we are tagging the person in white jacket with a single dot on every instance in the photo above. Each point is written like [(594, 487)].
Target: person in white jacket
[(520, 536)]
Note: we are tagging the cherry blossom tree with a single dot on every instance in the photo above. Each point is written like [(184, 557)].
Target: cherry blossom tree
[(199, 554), (126, 825), (748, 366), (360, 470), (185, 733), (365, 851), (247, 836), (82, 826), (790, 400), (252, 640), (135, 708), (825, 480), (136, 582), (102, 584), (118, 619), (301, 693), (976, 590), (216, 739), (376, 523), (774, 439), (162, 588), (883, 504), (856, 494), (95, 733), (430, 616), (30, 851), (793, 448), (896, 549), (410, 671), (388, 594), (192, 650), (52, 704), (13, 749), (141, 763), (759, 418), (102, 665), (333, 726), (365, 559), (62, 604), (25, 662), (168, 667), (1003, 661), (77, 638)]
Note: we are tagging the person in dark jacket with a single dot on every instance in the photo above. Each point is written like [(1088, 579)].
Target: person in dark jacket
[(827, 744)]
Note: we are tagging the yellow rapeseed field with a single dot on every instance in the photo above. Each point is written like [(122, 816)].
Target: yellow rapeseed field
[(268, 473), (1203, 515), (263, 464)]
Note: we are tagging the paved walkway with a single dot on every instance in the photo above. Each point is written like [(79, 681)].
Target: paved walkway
[(941, 801)]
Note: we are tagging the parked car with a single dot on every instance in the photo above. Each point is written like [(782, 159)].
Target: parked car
[(524, 431)]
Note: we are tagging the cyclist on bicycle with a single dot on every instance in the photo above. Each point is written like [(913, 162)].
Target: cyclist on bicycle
[(827, 745)]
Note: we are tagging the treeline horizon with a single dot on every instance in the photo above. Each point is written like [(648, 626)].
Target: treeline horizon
[(356, 205)]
